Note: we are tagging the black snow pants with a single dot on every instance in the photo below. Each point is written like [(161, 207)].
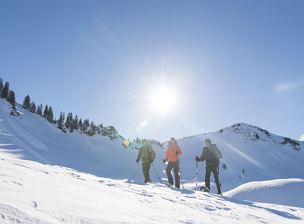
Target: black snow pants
[(214, 169), (175, 167)]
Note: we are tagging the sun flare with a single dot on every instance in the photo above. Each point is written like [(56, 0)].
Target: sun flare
[(163, 100)]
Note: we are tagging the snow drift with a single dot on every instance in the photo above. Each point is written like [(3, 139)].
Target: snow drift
[(281, 191)]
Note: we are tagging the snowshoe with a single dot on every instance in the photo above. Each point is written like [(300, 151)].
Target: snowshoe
[(204, 189)]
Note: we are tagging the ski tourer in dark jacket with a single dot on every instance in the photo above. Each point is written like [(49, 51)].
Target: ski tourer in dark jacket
[(212, 155)]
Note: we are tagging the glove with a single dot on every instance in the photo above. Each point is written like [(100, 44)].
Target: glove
[(137, 160), (197, 159), (164, 160)]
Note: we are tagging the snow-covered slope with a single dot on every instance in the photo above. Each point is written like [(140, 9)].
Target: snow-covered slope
[(249, 153), (34, 193), (301, 138), (31, 137), (280, 191)]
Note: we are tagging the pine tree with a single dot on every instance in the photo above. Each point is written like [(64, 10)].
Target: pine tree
[(75, 123), (80, 125), (50, 115), (63, 117), (46, 111), (12, 99), (93, 128), (27, 102), (1, 85), (39, 110), (111, 132), (5, 91), (61, 121), (33, 107), (85, 125), (100, 129), (69, 121)]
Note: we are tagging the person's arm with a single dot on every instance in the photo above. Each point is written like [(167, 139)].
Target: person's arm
[(139, 155), (203, 155), (179, 150), (167, 154), (153, 154)]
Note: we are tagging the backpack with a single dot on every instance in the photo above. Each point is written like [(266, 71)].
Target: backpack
[(148, 154), (216, 151), (213, 154)]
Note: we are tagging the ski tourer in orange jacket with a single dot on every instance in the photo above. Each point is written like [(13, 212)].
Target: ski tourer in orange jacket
[(173, 152), (172, 156)]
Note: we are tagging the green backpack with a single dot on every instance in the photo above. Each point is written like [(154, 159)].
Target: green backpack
[(148, 154)]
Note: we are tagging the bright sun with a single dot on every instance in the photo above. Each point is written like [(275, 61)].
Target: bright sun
[(163, 100)]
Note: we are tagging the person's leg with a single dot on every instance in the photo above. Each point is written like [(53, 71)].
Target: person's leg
[(145, 172), (207, 177), (216, 178), (148, 172), (168, 172), (176, 174)]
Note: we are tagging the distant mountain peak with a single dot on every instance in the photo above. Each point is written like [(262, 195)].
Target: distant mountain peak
[(254, 133), (247, 129)]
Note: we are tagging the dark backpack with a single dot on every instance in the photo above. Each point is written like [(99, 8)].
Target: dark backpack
[(213, 154)]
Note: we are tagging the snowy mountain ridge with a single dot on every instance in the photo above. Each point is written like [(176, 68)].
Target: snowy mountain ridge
[(254, 133)]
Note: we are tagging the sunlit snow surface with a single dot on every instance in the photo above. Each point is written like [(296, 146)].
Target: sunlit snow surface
[(34, 193)]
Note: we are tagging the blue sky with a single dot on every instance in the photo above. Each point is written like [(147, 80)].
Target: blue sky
[(228, 61)]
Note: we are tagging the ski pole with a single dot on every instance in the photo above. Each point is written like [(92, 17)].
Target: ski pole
[(157, 173), (180, 173), (134, 173), (196, 174)]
